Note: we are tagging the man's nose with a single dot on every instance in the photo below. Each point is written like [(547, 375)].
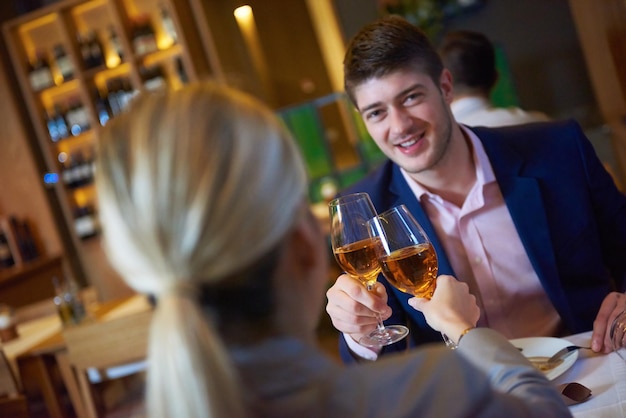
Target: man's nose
[(400, 121)]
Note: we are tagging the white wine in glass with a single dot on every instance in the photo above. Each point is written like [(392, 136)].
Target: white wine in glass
[(405, 253), (355, 252)]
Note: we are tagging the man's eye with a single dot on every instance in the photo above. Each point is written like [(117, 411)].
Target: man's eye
[(412, 98), (374, 115)]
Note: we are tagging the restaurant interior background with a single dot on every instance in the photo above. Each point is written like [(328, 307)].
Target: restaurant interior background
[(561, 57)]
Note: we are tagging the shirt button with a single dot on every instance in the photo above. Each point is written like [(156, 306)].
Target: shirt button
[(478, 260)]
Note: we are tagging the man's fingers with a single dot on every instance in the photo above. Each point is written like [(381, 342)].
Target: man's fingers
[(613, 304)]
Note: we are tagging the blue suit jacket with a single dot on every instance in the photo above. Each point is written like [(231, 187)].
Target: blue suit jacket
[(569, 214)]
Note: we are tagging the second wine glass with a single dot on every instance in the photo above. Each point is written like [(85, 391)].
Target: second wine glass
[(406, 255), (354, 251)]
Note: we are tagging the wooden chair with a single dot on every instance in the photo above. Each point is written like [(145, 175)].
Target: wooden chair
[(13, 403), (103, 345)]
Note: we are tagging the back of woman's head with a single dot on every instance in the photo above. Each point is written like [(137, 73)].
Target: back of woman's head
[(386, 45), (194, 186)]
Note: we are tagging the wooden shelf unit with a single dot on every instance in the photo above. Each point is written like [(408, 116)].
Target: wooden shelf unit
[(180, 60)]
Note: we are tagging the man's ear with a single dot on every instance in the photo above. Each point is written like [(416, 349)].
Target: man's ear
[(446, 86)]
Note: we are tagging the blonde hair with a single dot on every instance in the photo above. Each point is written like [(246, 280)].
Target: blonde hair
[(194, 186)]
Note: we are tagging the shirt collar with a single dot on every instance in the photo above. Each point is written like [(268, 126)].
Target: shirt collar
[(467, 105), (484, 171)]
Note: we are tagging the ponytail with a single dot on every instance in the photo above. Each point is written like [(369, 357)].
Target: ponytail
[(190, 373)]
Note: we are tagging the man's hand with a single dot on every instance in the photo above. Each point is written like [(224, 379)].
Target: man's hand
[(612, 305), (352, 308)]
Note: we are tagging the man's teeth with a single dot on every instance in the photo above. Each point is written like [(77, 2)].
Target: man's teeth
[(408, 143)]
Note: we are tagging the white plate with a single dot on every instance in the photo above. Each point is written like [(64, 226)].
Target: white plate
[(546, 347)]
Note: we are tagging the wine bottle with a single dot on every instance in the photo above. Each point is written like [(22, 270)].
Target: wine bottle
[(114, 41), (51, 124), (143, 35), (40, 75), (95, 49), (63, 62), (61, 122), (153, 77), (6, 256), (85, 222), (168, 24), (77, 117), (102, 108)]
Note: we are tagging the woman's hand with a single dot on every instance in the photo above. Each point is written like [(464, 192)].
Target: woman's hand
[(452, 308)]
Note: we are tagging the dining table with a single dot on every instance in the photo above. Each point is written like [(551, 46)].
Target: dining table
[(603, 374), (39, 354)]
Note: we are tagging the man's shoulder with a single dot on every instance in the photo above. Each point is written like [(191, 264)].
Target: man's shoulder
[(540, 131)]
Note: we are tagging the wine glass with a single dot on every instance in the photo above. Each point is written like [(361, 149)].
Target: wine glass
[(618, 335), (354, 251), (406, 255)]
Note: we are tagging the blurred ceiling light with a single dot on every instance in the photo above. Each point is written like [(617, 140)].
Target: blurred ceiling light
[(243, 12)]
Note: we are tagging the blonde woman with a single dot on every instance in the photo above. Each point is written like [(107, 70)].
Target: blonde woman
[(203, 204)]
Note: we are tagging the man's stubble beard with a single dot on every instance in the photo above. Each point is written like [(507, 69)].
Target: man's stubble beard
[(441, 148)]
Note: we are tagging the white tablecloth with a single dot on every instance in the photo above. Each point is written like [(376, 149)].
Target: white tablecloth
[(604, 374)]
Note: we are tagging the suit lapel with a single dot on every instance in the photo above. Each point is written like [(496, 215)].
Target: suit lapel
[(523, 199), (404, 195)]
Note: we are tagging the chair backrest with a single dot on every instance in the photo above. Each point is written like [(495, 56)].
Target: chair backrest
[(102, 345), (108, 343), (8, 383)]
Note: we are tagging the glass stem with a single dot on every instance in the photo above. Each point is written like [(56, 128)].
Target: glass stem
[(380, 325)]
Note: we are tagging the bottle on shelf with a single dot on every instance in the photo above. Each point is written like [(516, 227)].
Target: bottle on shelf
[(180, 70), (23, 238), (30, 243), (119, 94), (40, 74), (77, 117), (95, 47), (63, 63), (143, 36), (56, 123), (68, 174), (153, 77), (51, 124), (168, 24), (103, 110), (85, 222), (6, 255), (90, 49), (78, 170), (115, 44)]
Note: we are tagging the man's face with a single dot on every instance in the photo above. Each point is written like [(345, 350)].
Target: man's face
[(408, 116)]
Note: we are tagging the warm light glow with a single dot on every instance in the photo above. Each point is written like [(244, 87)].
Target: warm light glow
[(243, 12), (164, 42), (113, 60), (247, 26)]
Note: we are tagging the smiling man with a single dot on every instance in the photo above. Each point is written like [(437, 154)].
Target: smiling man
[(527, 216)]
